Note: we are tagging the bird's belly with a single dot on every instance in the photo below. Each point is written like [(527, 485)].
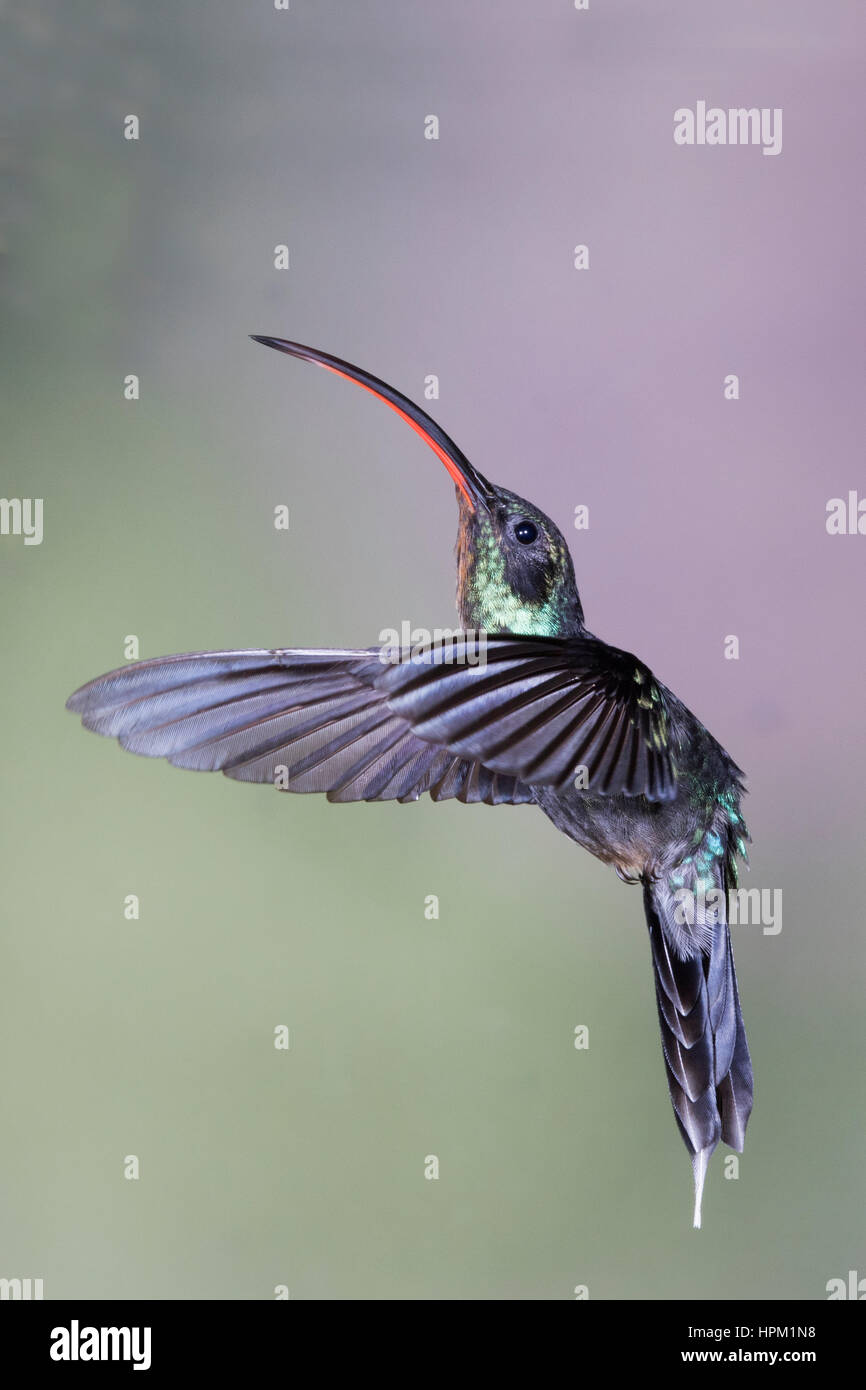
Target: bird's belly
[(634, 835)]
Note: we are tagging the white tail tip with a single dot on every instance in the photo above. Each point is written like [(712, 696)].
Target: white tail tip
[(700, 1163)]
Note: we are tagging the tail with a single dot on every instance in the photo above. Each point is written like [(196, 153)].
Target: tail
[(703, 1036)]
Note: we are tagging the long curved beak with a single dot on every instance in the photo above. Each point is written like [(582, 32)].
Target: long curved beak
[(473, 486)]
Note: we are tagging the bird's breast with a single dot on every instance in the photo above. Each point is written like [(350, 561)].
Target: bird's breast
[(635, 836)]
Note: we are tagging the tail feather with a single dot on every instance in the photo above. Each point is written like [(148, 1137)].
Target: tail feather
[(704, 1044), (735, 1090), (700, 1163)]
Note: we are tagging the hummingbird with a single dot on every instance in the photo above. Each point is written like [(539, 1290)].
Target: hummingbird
[(520, 706)]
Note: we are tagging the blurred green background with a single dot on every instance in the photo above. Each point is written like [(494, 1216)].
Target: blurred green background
[(413, 1037)]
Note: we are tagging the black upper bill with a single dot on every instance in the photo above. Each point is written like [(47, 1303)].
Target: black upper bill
[(474, 487)]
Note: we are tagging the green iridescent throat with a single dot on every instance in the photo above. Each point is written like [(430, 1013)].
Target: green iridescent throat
[(488, 601)]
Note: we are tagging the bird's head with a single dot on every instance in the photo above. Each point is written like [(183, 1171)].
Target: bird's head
[(514, 569)]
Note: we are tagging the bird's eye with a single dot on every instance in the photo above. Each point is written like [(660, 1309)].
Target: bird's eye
[(526, 532)]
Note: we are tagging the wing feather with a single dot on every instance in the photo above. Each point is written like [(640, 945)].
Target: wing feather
[(479, 720)]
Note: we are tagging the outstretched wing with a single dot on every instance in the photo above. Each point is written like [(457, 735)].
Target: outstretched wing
[(304, 720), (476, 719), (541, 709)]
